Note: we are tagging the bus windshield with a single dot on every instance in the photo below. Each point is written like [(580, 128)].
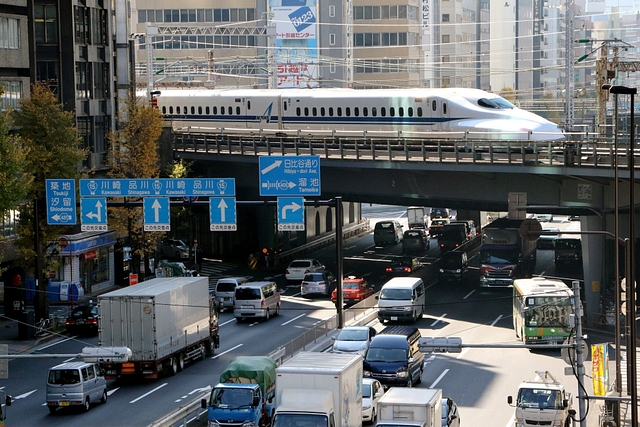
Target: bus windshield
[(498, 256), (547, 312)]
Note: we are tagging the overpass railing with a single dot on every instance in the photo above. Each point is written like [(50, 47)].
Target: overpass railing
[(583, 150)]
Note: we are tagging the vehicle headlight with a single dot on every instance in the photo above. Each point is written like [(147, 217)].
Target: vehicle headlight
[(366, 406), (408, 308), (363, 349), (213, 423), (366, 373), (401, 374), (248, 424), (458, 271), (442, 270)]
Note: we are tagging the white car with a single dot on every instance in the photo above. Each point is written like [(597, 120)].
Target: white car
[(299, 268), (372, 391), (173, 248), (353, 339)]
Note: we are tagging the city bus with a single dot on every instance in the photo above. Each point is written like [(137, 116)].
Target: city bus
[(541, 311)]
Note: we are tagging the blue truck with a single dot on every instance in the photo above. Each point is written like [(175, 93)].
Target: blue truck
[(244, 395)]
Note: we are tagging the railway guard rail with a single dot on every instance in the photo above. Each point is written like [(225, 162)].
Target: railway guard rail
[(358, 314), (584, 150)]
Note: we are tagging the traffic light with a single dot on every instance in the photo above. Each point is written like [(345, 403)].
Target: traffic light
[(154, 102)]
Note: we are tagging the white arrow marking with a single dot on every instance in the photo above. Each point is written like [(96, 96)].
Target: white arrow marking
[(293, 207), (156, 207), (271, 167), (23, 395), (99, 209), (223, 213), (56, 217), (199, 390), (291, 184)]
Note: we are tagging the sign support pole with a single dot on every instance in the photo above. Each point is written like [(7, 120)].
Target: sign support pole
[(339, 266)]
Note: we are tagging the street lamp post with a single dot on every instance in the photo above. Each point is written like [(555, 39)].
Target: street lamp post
[(631, 273)]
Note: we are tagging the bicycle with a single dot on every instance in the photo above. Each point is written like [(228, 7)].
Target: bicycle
[(43, 326)]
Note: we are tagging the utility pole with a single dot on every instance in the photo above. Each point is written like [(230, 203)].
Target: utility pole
[(580, 345), (569, 84)]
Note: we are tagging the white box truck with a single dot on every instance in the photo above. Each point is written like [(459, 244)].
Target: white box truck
[(410, 407), (319, 390), (164, 322), (417, 217), (542, 401)]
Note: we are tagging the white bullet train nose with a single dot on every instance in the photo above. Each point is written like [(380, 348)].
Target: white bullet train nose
[(513, 129)]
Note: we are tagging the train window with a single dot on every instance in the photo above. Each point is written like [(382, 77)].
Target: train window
[(331, 111), (164, 110), (314, 111), (221, 110), (171, 112), (433, 105), (238, 111), (178, 109), (339, 110), (215, 111), (374, 111), (383, 111), (206, 110), (392, 111), (322, 111), (365, 111), (230, 110), (199, 110), (444, 108), (193, 110), (401, 111), (410, 111), (248, 105), (284, 104), (306, 111), (419, 111), (298, 114), (347, 111), (356, 111), (184, 110)]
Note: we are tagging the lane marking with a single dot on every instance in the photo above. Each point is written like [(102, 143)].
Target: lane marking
[(55, 343), (462, 354), (295, 318), (439, 319), (227, 322), (23, 395), (433, 385), (225, 352), (469, 294), (110, 392), (496, 321), (149, 392)]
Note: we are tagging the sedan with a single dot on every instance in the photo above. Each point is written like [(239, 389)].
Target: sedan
[(296, 271), (353, 339), (173, 248), (83, 320), (319, 282), (450, 415), (372, 391), (404, 265)]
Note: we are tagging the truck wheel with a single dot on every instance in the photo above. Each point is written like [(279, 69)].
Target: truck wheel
[(180, 362), (208, 349), (277, 310), (103, 399), (374, 416), (419, 380), (87, 405), (173, 366), (267, 315)]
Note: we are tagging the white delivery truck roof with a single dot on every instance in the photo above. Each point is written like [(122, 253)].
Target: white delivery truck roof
[(324, 363), (410, 396), (154, 287)]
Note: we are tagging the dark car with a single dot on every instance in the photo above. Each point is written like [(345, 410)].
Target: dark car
[(450, 414), (404, 265), (83, 320), (454, 267), (415, 240)]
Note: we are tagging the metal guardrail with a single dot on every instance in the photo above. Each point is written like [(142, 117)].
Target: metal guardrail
[(587, 151), (360, 313)]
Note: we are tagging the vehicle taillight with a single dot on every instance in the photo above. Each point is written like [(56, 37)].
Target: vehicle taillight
[(307, 271), (262, 303), (388, 269), (286, 272), (407, 269)]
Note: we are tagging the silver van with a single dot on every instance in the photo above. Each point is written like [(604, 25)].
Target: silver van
[(75, 384), (256, 299), (226, 290)]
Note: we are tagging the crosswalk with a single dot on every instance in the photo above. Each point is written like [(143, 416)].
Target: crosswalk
[(216, 269)]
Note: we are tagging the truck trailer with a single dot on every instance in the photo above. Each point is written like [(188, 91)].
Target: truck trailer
[(164, 322), (410, 407), (417, 217), (319, 389), (504, 254)]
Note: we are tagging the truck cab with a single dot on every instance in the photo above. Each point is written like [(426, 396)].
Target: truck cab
[(542, 401)]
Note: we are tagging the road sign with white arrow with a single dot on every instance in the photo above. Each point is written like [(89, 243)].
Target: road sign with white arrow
[(222, 214), (156, 214), (93, 214), (61, 201), (289, 175), (290, 213)]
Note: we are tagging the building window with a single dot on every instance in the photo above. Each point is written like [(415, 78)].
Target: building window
[(82, 25), (49, 72), (332, 39), (445, 17), (46, 24), (446, 38), (12, 94), (83, 80), (9, 33), (446, 58), (332, 68), (332, 10), (101, 80)]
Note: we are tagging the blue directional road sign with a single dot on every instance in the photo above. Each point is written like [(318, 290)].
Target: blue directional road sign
[(289, 175), (222, 214), (93, 214), (61, 201), (156, 214), (290, 213), (158, 187)]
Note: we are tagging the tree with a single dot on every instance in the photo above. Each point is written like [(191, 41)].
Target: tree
[(51, 140), (508, 93), (14, 182), (134, 154)]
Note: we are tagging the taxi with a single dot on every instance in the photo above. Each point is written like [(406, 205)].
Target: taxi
[(354, 290)]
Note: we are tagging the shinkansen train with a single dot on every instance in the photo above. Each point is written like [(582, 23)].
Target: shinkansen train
[(427, 113)]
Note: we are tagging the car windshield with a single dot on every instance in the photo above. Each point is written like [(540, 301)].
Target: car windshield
[(353, 335), (351, 285), (300, 264), (452, 261), (498, 256), (300, 420), (247, 294), (231, 397), (390, 355), (539, 398), (395, 294), (225, 287), (366, 390)]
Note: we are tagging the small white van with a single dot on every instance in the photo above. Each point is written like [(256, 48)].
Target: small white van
[(75, 384), (226, 290), (256, 299), (401, 298)]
